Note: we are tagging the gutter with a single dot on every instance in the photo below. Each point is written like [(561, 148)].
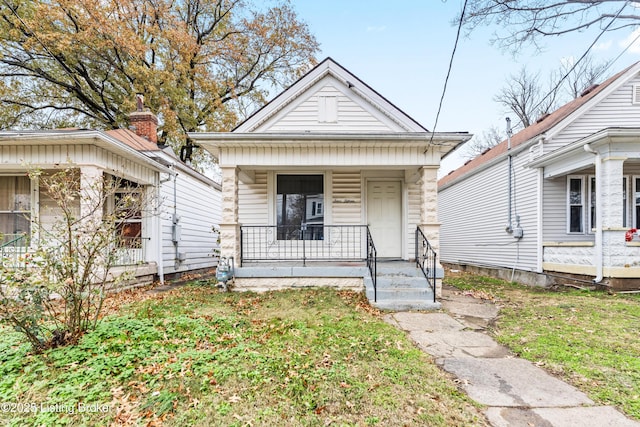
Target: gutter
[(599, 236)]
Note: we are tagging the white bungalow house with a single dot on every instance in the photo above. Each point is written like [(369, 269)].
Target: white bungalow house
[(327, 171), (171, 236), (569, 204)]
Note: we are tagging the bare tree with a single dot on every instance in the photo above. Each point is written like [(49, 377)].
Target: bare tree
[(527, 22), (523, 94), (481, 143), (585, 74)]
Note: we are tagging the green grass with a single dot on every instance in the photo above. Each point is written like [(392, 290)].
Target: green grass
[(196, 356), (591, 339)]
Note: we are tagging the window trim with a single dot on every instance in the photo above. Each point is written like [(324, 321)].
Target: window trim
[(33, 202), (635, 188), (581, 178)]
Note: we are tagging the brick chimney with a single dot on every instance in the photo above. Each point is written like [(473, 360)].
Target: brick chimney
[(144, 123)]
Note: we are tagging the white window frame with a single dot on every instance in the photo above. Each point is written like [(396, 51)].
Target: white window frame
[(591, 201), (581, 178), (32, 202)]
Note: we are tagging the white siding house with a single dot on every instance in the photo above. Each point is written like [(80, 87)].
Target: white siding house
[(567, 205), (323, 169), (173, 233)]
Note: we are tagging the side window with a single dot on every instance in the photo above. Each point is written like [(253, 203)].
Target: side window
[(15, 207), (575, 204)]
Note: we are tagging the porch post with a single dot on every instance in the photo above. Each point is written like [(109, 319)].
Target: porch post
[(230, 228), (611, 205), (429, 214)]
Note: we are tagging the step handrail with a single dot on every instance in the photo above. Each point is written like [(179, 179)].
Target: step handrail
[(426, 259), (372, 263)]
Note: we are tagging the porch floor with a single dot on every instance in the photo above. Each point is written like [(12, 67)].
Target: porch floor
[(401, 285)]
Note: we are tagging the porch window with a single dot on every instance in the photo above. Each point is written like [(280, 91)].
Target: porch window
[(576, 205), (15, 207), (300, 207), (128, 210)]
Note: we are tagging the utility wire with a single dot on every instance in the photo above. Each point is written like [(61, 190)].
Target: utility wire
[(586, 52), (620, 54), (446, 80)]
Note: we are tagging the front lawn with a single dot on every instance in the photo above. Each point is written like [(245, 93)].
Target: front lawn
[(196, 356), (590, 339)]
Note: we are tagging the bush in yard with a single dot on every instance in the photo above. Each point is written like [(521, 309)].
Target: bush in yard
[(56, 292)]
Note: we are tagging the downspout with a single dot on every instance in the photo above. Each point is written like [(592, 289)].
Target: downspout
[(157, 222), (599, 235), (175, 226), (509, 227)]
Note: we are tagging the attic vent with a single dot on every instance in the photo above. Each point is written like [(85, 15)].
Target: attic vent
[(327, 109), (588, 90), (636, 94), (542, 117)]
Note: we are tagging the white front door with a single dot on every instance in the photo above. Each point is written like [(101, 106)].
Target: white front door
[(384, 215)]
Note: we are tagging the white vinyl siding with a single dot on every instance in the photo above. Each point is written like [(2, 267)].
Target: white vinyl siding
[(55, 156), (616, 110), (347, 198), (197, 205), (474, 215), (330, 110)]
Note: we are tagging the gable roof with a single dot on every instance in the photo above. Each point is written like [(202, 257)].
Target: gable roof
[(560, 118), (328, 67)]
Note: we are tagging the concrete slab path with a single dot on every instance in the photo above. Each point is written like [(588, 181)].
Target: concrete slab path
[(516, 392)]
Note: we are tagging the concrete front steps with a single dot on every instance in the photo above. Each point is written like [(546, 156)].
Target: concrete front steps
[(401, 287)]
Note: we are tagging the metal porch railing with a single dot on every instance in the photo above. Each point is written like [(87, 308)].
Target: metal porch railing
[(426, 259), (13, 247), (310, 242)]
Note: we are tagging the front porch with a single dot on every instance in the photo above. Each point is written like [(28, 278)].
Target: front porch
[(340, 256), (591, 208)]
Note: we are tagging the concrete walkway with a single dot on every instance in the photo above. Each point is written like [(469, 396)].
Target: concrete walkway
[(516, 392)]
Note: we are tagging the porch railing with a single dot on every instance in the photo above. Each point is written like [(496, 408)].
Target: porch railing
[(306, 243), (426, 259), (311, 242), (372, 263), (13, 247)]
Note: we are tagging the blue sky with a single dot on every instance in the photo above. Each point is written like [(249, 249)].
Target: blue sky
[(402, 49)]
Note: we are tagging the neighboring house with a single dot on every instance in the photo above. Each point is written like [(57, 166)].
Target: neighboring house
[(172, 236), (319, 174), (568, 201)]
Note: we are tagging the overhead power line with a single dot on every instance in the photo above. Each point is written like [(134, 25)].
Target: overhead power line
[(446, 80), (586, 52)]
